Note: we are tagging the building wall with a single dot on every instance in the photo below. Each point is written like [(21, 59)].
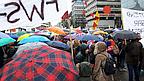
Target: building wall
[(112, 20), (77, 13)]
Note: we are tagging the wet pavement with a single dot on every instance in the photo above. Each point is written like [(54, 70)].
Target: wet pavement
[(123, 76)]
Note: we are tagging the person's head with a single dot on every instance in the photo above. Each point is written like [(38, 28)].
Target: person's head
[(100, 47), (76, 43), (91, 48)]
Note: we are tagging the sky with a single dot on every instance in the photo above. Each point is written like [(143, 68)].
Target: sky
[(23, 14), (68, 5)]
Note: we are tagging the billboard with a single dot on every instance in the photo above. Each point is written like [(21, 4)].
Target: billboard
[(22, 13)]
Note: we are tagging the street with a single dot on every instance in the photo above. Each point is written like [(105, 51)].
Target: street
[(123, 76)]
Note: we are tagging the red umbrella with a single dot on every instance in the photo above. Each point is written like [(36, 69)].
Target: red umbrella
[(41, 64)]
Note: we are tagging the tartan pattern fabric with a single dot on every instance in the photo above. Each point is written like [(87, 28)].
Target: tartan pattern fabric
[(41, 64)]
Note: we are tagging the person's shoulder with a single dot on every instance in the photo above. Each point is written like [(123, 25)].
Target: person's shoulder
[(100, 56)]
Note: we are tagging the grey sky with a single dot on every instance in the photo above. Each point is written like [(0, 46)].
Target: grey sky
[(131, 3)]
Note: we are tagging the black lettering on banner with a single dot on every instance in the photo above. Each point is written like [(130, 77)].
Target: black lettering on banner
[(19, 5), (41, 13), (53, 1), (3, 14), (13, 12)]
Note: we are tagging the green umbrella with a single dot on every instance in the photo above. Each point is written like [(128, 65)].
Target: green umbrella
[(5, 41), (21, 33)]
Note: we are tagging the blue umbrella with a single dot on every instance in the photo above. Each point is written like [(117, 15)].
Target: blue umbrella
[(14, 36), (3, 35), (34, 39), (89, 37), (5, 41), (58, 44)]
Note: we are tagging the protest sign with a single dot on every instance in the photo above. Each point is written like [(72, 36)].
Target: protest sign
[(19, 13)]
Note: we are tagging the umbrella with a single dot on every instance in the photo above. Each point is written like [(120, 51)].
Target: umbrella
[(58, 44), (21, 33), (23, 36), (5, 41), (89, 37), (124, 34), (56, 30), (34, 39), (43, 33), (14, 36), (100, 32), (3, 35), (29, 46), (68, 36), (41, 64), (109, 30)]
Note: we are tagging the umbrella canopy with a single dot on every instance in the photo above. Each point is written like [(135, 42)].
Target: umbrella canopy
[(14, 36), (34, 39), (23, 36), (43, 33), (5, 41), (56, 30), (73, 36), (29, 46), (109, 30), (3, 35), (89, 37), (99, 32), (58, 44), (21, 33), (41, 64), (124, 34)]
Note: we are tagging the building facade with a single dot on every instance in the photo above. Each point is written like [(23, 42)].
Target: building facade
[(112, 20), (78, 17)]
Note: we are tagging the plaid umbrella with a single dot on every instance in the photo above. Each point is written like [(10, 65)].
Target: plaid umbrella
[(41, 64), (124, 34), (29, 46)]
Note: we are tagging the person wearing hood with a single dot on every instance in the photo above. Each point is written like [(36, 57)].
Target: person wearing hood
[(101, 52)]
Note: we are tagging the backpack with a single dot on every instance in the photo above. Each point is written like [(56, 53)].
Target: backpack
[(109, 66)]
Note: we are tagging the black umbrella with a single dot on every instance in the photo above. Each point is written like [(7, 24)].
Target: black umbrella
[(124, 34)]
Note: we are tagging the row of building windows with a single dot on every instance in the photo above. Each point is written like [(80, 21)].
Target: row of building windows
[(78, 7), (104, 18)]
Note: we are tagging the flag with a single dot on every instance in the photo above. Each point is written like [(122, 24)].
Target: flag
[(96, 20), (92, 14), (97, 16), (78, 30), (94, 25), (65, 16)]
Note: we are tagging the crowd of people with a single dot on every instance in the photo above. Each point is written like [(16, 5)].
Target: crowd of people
[(90, 56)]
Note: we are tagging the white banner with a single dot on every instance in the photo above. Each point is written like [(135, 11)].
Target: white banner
[(133, 15), (26, 13), (133, 20)]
